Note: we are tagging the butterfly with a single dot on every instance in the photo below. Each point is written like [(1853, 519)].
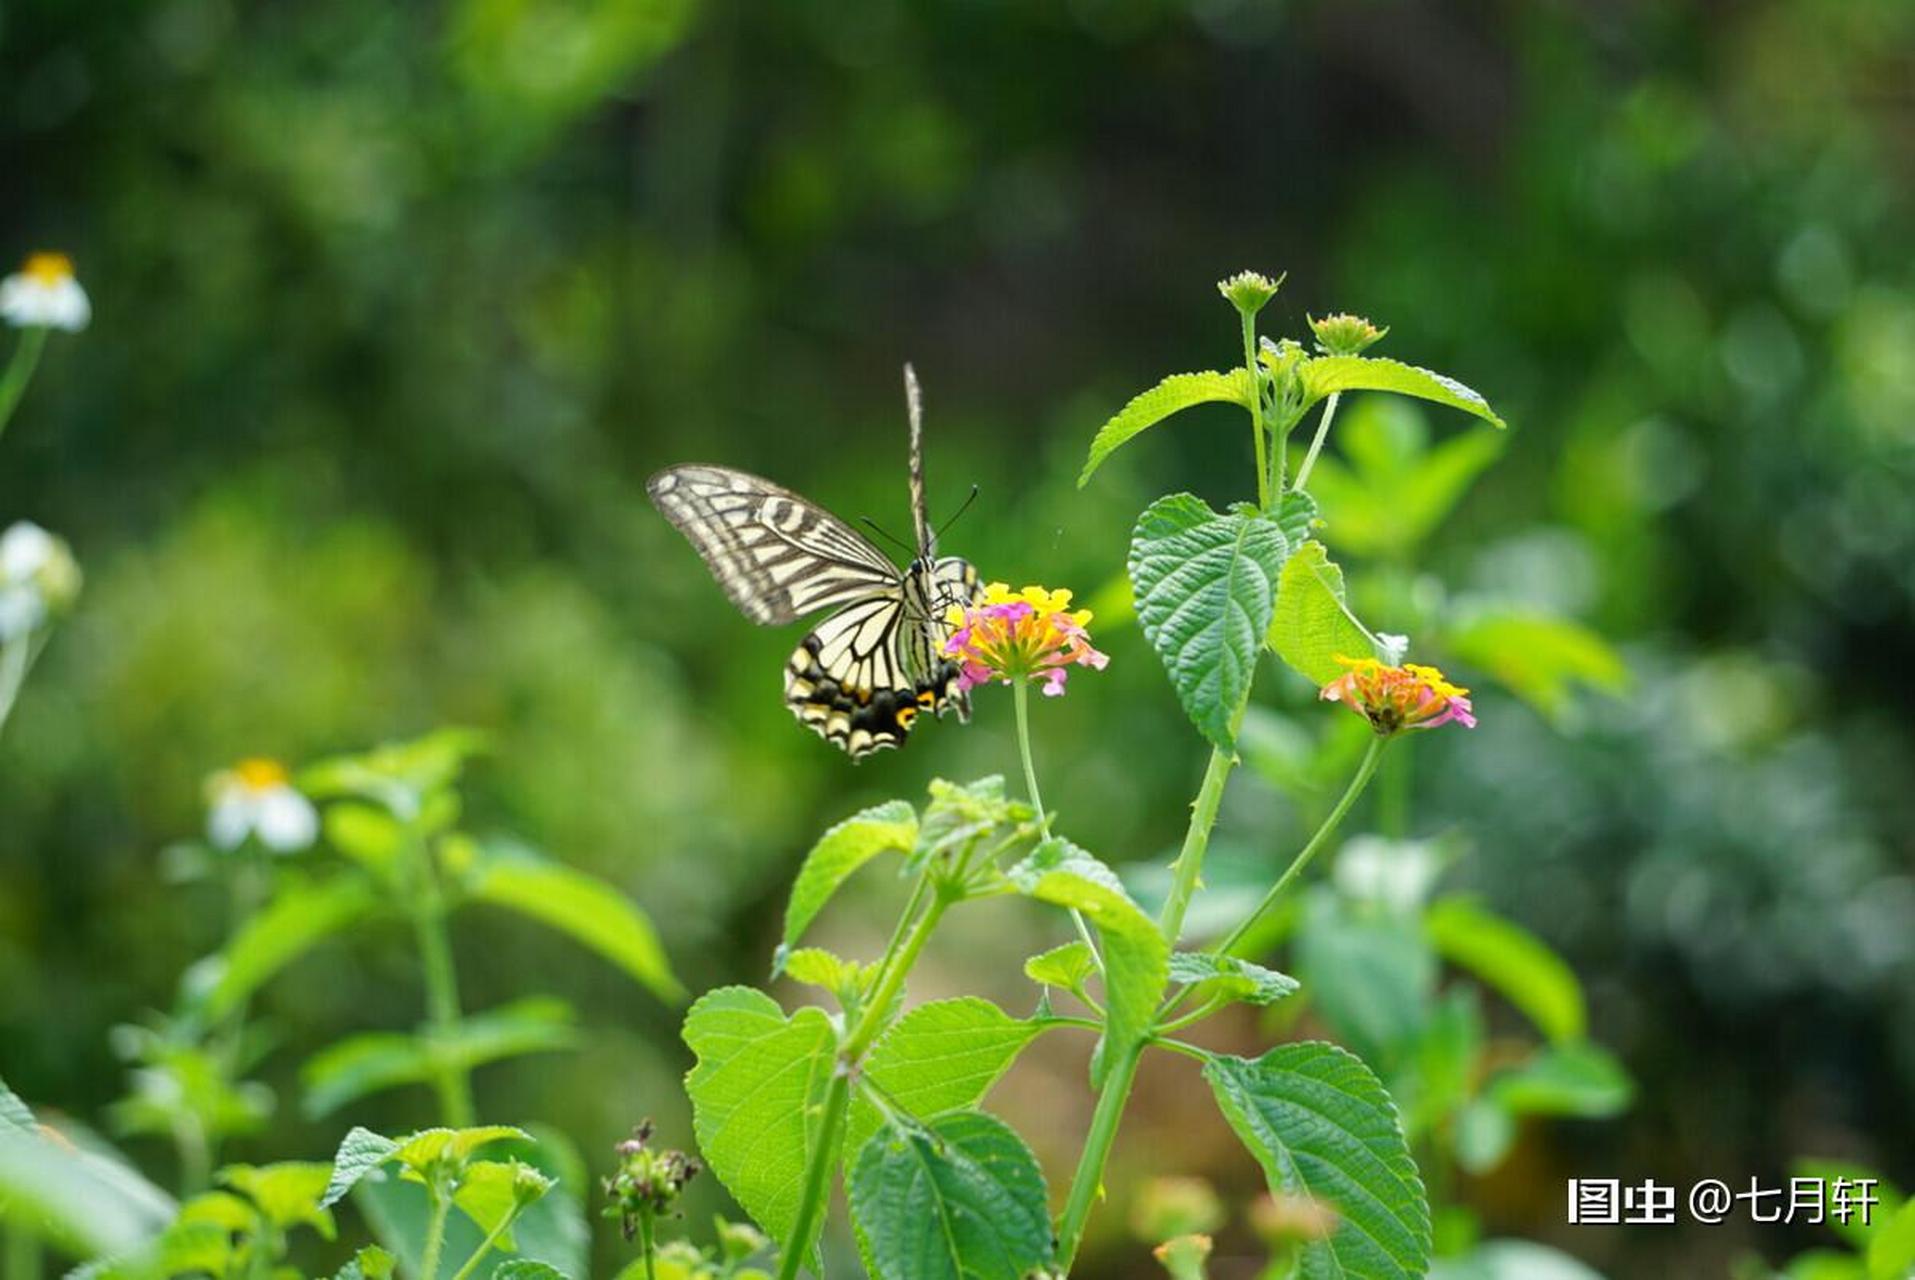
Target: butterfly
[(865, 675)]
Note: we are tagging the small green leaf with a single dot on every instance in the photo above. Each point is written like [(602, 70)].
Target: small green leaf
[(370, 1263), (1069, 966), (1177, 392), (373, 1061), (359, 1154), (301, 916), (1891, 1246), (1136, 957), (891, 827), (1322, 1125), (1512, 1260), (757, 1099), (959, 1198), (1297, 517), (1541, 659), (287, 1193), (960, 813), (938, 1057), (15, 1114), (1484, 1131), (1512, 961), (1828, 1172), (1327, 374), (1370, 978), (427, 1149), (552, 1230), (816, 967), (1230, 978), (1206, 585), (88, 1203), (491, 1191), (1312, 626), (367, 834), (1567, 1079), (527, 1269), (591, 912)]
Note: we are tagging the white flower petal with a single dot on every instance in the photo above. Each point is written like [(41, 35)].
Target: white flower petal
[(21, 610), (231, 818), (25, 549), (28, 302), (286, 822)]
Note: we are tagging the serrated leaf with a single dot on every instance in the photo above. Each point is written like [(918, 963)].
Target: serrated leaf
[(1297, 517), (591, 912), (1231, 977), (370, 1263), (1174, 394), (527, 1269), (422, 1151), (1565, 1080), (938, 1057), (816, 967), (1136, 957), (757, 1099), (360, 1152), (1511, 961), (1327, 374), (489, 1193), (301, 915), (287, 1193), (1206, 585), (1322, 1125), (960, 813), (891, 827), (1311, 625), (957, 1198), (1069, 966)]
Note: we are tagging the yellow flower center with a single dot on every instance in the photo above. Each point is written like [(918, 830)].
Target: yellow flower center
[(259, 773), (49, 268)]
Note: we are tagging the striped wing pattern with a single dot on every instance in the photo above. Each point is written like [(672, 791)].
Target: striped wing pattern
[(862, 678)]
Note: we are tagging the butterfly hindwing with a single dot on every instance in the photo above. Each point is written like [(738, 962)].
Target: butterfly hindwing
[(776, 555)]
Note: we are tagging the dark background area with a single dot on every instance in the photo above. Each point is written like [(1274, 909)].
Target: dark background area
[(398, 305)]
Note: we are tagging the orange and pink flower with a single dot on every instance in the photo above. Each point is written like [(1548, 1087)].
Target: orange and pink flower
[(1018, 635), (1394, 699)]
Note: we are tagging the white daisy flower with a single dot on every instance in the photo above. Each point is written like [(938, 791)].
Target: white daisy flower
[(38, 577), (44, 295), (256, 798)]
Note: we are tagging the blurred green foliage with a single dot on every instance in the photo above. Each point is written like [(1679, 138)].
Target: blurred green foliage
[(396, 306)]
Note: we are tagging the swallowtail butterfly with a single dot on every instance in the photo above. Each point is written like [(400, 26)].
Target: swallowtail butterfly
[(870, 669)]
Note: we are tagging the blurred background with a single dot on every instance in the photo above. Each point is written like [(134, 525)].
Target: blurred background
[(398, 305)]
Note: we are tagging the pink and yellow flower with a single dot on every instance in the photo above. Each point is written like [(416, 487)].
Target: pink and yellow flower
[(1393, 699), (1017, 635)]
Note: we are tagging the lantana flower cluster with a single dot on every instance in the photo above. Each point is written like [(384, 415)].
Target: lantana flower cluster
[(1396, 698), (1031, 634)]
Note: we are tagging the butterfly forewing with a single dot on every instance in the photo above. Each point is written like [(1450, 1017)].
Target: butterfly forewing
[(776, 555)]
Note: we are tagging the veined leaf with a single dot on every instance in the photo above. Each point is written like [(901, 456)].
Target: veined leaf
[(938, 1057), (957, 1198), (1069, 966), (530, 1269), (1136, 957), (1565, 1080), (891, 827), (1297, 517), (1312, 626), (301, 915), (1322, 1125), (1206, 585), (1230, 977), (591, 912), (757, 1098), (1512, 961), (1326, 374), (1177, 392)]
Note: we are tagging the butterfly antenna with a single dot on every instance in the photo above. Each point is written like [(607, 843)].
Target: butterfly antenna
[(887, 535), (914, 406), (960, 511)]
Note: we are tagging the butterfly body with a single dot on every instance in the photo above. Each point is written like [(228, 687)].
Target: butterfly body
[(864, 676)]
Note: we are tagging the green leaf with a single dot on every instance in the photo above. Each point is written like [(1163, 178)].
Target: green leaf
[(1565, 1079), (1230, 978), (591, 912), (1069, 966), (757, 1098), (287, 1193), (1484, 1131), (1177, 392), (1372, 979), (370, 1263), (1391, 489), (1541, 659), (1327, 374), (959, 1198), (1136, 957), (551, 1230), (86, 1203), (490, 1191), (891, 827), (1206, 585), (360, 1152), (960, 813), (399, 775), (1312, 626), (427, 1149), (938, 1057), (301, 916), (1891, 1246), (1828, 1172), (1322, 1125), (373, 1061), (1512, 961), (1297, 517), (368, 835), (527, 1269), (1512, 1260), (15, 1115)]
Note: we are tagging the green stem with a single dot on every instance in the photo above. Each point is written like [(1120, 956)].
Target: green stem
[(1256, 408), (435, 1232), (1088, 1182), (16, 660), (1316, 444), (648, 1241), (1365, 770), (1393, 808), (442, 991), (895, 968), (13, 384), (1021, 701), (505, 1224), (1188, 872), (23, 1253), (818, 1175)]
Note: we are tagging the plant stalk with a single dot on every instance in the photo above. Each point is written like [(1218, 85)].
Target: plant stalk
[(486, 1245), (1256, 409), (1365, 770), (1021, 701), (1187, 874), (1316, 444), (442, 991), (435, 1232), (13, 383), (1088, 1182)]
